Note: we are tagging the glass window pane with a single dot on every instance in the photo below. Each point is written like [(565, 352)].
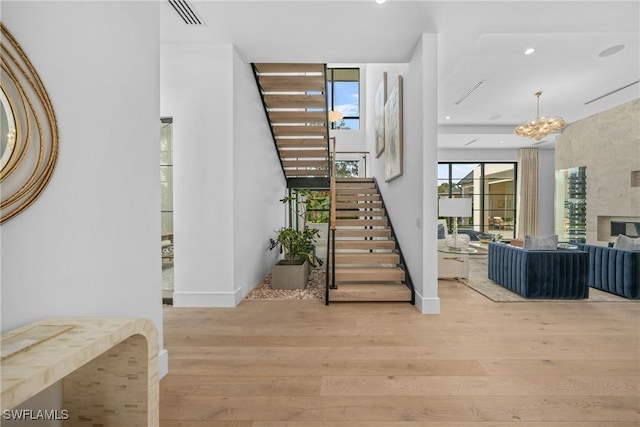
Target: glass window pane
[(347, 168), (353, 124), (343, 95), (346, 98), (492, 194), (443, 171)]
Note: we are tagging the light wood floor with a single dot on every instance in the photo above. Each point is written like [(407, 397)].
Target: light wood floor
[(479, 363)]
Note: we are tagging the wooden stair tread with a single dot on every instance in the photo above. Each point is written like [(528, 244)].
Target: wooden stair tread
[(285, 67), (307, 172), (356, 191), (370, 232), (356, 205), (322, 163), (302, 143), (354, 179), (347, 213), (303, 153), (375, 274), (296, 101), (361, 222), (298, 116), (370, 292), (362, 185), (361, 197), (367, 258), (365, 244), (319, 130), (292, 83)]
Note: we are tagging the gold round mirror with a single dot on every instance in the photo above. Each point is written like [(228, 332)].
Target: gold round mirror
[(28, 130)]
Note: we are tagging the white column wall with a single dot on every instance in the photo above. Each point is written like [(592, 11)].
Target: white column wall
[(89, 246), (429, 302), (258, 183), (409, 201), (197, 91)]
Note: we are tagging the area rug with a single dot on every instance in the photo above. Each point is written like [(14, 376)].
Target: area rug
[(479, 282)]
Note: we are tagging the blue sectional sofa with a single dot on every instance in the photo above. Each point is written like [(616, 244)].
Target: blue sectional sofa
[(537, 274), (614, 270)]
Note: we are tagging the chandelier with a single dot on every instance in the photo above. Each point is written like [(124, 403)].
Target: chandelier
[(541, 126)]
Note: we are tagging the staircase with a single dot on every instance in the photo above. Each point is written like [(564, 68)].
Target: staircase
[(368, 261), (367, 257), (295, 102)]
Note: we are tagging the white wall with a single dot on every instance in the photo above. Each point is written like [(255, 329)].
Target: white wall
[(227, 177), (475, 155), (409, 201), (258, 183), (89, 246), (197, 91)]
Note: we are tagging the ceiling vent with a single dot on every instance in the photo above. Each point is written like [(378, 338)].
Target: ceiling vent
[(612, 92), (186, 12), (468, 92)]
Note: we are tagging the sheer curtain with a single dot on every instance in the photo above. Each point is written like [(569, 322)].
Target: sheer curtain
[(527, 217)]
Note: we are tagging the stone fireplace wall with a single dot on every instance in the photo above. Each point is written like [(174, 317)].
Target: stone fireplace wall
[(608, 144)]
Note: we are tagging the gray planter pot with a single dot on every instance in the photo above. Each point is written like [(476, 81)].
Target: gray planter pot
[(289, 276)]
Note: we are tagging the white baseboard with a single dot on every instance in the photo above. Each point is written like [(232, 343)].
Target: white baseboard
[(427, 305), (207, 299), (163, 363)]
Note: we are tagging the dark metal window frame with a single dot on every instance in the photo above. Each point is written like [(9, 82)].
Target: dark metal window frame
[(483, 194), (331, 80)]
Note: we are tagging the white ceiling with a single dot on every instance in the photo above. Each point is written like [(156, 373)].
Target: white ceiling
[(477, 41)]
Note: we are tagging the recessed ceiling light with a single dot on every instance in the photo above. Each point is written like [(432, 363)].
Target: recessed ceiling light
[(529, 51), (611, 50), (447, 118), (501, 142), (380, 1)]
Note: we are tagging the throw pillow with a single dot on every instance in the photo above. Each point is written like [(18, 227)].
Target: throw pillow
[(546, 243), (627, 243), (530, 242)]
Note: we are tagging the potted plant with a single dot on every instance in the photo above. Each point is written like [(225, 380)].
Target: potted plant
[(292, 272)]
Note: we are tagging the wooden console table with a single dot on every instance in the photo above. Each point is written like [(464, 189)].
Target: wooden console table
[(108, 368)]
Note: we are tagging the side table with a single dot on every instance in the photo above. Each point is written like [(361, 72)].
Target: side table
[(460, 256)]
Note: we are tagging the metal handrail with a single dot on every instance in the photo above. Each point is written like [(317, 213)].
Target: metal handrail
[(333, 184), (333, 217)]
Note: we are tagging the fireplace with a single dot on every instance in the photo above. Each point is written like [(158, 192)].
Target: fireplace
[(609, 227), (631, 229)]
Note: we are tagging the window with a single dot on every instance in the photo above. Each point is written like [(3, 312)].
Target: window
[(343, 95), (491, 186), (347, 168)]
